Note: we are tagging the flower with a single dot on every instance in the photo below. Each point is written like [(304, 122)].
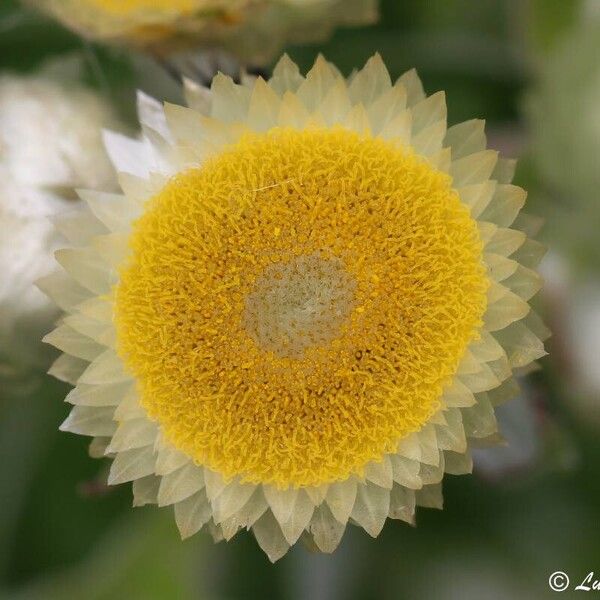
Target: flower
[(253, 30), (50, 141), (305, 305)]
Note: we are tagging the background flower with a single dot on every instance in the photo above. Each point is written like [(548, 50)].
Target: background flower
[(253, 30), (50, 143)]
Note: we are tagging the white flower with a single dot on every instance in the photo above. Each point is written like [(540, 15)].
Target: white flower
[(50, 143), (302, 309)]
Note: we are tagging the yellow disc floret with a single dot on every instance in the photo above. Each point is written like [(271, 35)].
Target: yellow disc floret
[(293, 308)]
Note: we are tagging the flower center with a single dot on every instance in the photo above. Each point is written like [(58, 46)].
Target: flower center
[(293, 308), (299, 304)]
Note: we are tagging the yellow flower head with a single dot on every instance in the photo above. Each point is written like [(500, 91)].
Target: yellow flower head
[(303, 307), (254, 30)]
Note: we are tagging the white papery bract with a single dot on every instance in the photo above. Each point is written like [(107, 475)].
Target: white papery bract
[(106, 398), (50, 142)]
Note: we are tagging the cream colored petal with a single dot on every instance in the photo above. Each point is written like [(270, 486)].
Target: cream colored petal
[(406, 472), (530, 225), (180, 484), (386, 108), (131, 465), (486, 348), (230, 527), (68, 368), (414, 88), (452, 437), (442, 160), (429, 445), (486, 231), (501, 368), (533, 322), (130, 407), (319, 79), (63, 290), (299, 520), (508, 390), (505, 170), (138, 190), (78, 226), (99, 308), (370, 83), (135, 433), (97, 447), (475, 168), (469, 364), (98, 395), (466, 138), (254, 508), (336, 104), (107, 368), (357, 120), (402, 504), (428, 112), (114, 210), (87, 268), (505, 241), (215, 484), (169, 459), (281, 501), (410, 447), (145, 490), (521, 345), (340, 498), (230, 101), (481, 381), (477, 196), (197, 97), (113, 248), (98, 331), (270, 537), (192, 514), (499, 267), (399, 128), (504, 308), (151, 114), (90, 420), (317, 493), (126, 154), (326, 531), (371, 508), (430, 496), (458, 463), (430, 474), (215, 531), (380, 473), (428, 142), (292, 113), (72, 342), (530, 254), (480, 421), (286, 76), (231, 500), (524, 282), (264, 107), (458, 395), (508, 200)]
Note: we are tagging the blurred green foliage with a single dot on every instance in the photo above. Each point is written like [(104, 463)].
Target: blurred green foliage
[(63, 535)]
